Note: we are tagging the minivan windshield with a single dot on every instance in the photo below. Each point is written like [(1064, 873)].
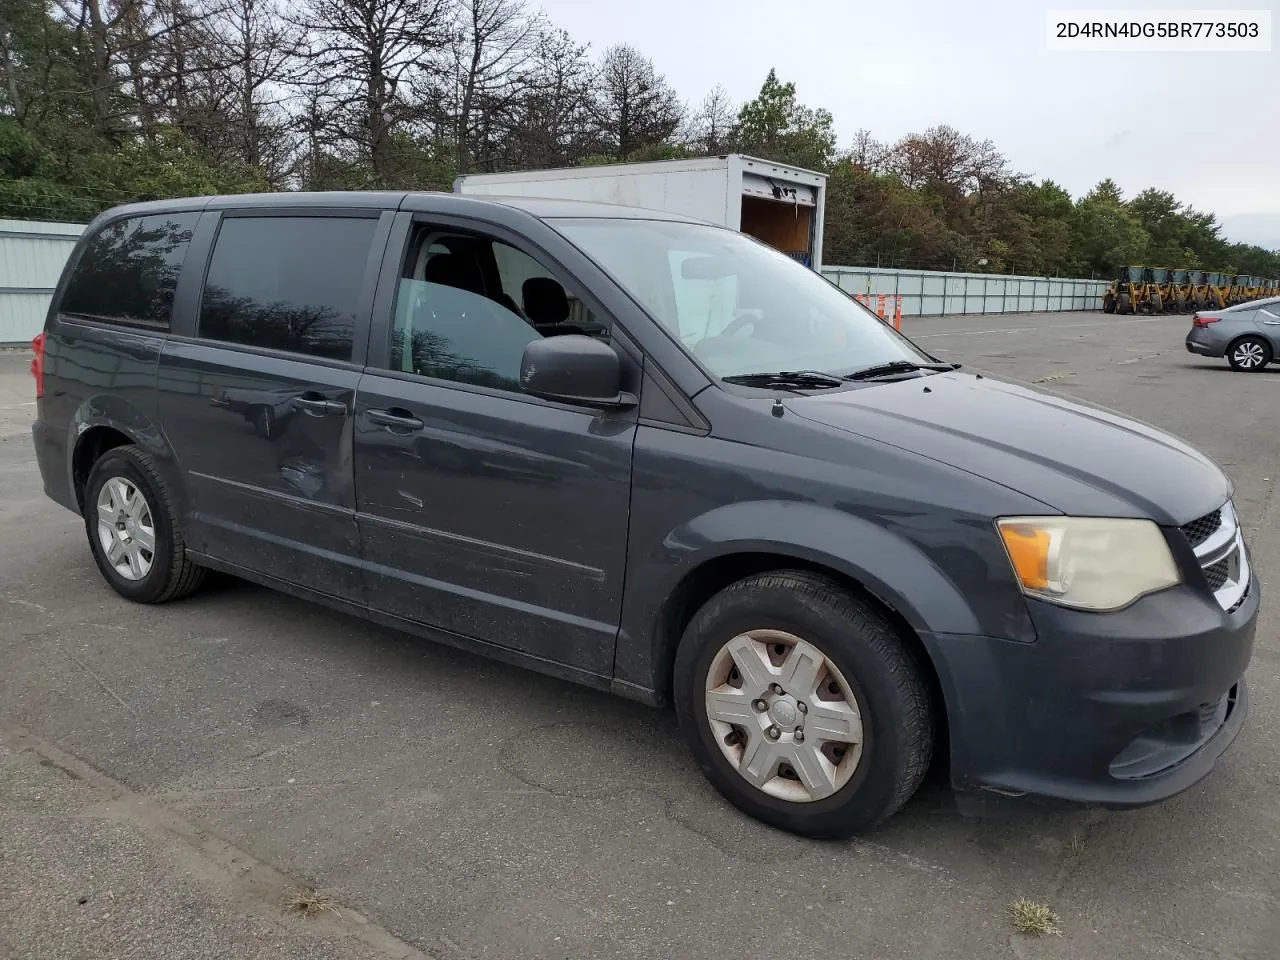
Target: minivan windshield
[(739, 306)]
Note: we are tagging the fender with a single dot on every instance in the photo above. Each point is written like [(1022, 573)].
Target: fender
[(874, 556), (893, 568)]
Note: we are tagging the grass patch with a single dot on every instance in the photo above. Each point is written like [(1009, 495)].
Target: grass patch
[(1034, 919), (1074, 847), (309, 903)]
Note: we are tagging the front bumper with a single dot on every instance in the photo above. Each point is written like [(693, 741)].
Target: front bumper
[(1118, 710)]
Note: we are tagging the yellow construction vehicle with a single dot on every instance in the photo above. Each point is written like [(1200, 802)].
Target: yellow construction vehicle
[(1200, 290), (1125, 291), (1241, 290), (1184, 292), (1219, 288), (1158, 296)]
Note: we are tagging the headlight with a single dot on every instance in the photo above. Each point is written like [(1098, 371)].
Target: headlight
[(1088, 563)]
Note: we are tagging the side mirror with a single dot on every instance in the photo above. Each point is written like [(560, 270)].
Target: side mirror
[(574, 369)]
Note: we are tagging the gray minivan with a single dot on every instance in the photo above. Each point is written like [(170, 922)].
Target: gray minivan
[(657, 457)]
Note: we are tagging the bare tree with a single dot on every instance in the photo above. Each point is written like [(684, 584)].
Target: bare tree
[(258, 51), (492, 54), (711, 128), (868, 153), (126, 59), (552, 122), (634, 106), (365, 57)]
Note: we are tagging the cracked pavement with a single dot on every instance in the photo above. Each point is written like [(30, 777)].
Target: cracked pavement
[(183, 768)]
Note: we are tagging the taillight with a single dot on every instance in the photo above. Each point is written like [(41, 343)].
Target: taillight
[(1199, 321), (37, 364)]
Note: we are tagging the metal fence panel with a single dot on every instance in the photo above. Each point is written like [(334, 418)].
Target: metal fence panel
[(932, 293), (32, 254)]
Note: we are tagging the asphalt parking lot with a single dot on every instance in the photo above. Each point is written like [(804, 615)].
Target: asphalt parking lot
[(170, 776)]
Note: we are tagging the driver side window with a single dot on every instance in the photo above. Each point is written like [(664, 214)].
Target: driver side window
[(467, 306)]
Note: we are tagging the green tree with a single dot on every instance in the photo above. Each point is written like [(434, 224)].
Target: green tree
[(775, 126), (1107, 235)]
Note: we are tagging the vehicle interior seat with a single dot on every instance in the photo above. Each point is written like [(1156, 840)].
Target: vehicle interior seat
[(451, 270), (464, 273), (547, 306)]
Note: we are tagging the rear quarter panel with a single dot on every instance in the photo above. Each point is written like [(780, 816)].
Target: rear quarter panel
[(99, 375)]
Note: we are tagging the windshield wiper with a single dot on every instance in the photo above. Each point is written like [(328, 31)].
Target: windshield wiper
[(805, 379), (898, 366)]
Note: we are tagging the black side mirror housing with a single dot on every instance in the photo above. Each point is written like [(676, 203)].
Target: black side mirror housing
[(574, 368)]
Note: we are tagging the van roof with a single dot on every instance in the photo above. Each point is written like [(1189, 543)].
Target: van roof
[(427, 201)]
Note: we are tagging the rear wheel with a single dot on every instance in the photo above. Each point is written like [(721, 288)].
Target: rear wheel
[(1179, 305), (1108, 304), (1125, 305), (133, 531), (1249, 354), (802, 705)]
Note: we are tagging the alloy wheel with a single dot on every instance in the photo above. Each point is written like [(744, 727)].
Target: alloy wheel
[(1249, 355)]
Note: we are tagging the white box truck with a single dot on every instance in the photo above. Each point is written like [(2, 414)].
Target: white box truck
[(780, 205)]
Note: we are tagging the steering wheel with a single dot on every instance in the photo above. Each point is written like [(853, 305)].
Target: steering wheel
[(738, 324)]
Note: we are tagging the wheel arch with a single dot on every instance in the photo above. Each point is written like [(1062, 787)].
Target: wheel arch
[(103, 422), (709, 577)]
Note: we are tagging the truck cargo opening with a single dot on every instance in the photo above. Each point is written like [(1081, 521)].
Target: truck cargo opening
[(777, 204), (785, 226)]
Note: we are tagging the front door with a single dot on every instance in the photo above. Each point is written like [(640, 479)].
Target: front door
[(258, 405), (484, 511)]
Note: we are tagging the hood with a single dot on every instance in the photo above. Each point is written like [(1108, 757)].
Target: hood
[(1078, 459)]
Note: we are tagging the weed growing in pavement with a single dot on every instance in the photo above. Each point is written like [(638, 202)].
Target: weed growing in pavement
[(1034, 919)]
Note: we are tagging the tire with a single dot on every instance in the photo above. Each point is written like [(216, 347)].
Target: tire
[(1156, 305), (167, 574), (1108, 304), (1125, 306), (1249, 354), (1179, 305), (879, 688)]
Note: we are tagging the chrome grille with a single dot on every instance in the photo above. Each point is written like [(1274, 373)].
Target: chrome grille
[(1201, 529), (1219, 548), (1216, 574)]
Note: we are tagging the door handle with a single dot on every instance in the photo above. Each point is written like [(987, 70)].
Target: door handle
[(395, 418), (319, 406)]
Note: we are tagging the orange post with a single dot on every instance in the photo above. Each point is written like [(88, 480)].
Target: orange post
[(897, 312), (880, 306)]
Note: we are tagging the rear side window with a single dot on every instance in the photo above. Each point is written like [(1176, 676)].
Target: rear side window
[(129, 270), (287, 283)]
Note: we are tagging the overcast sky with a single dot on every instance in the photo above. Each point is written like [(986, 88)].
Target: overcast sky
[(1203, 125)]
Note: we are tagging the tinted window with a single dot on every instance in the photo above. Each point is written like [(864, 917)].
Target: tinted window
[(468, 306), (129, 270), (287, 283)]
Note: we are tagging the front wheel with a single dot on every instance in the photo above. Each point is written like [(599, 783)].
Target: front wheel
[(802, 704), (133, 530)]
